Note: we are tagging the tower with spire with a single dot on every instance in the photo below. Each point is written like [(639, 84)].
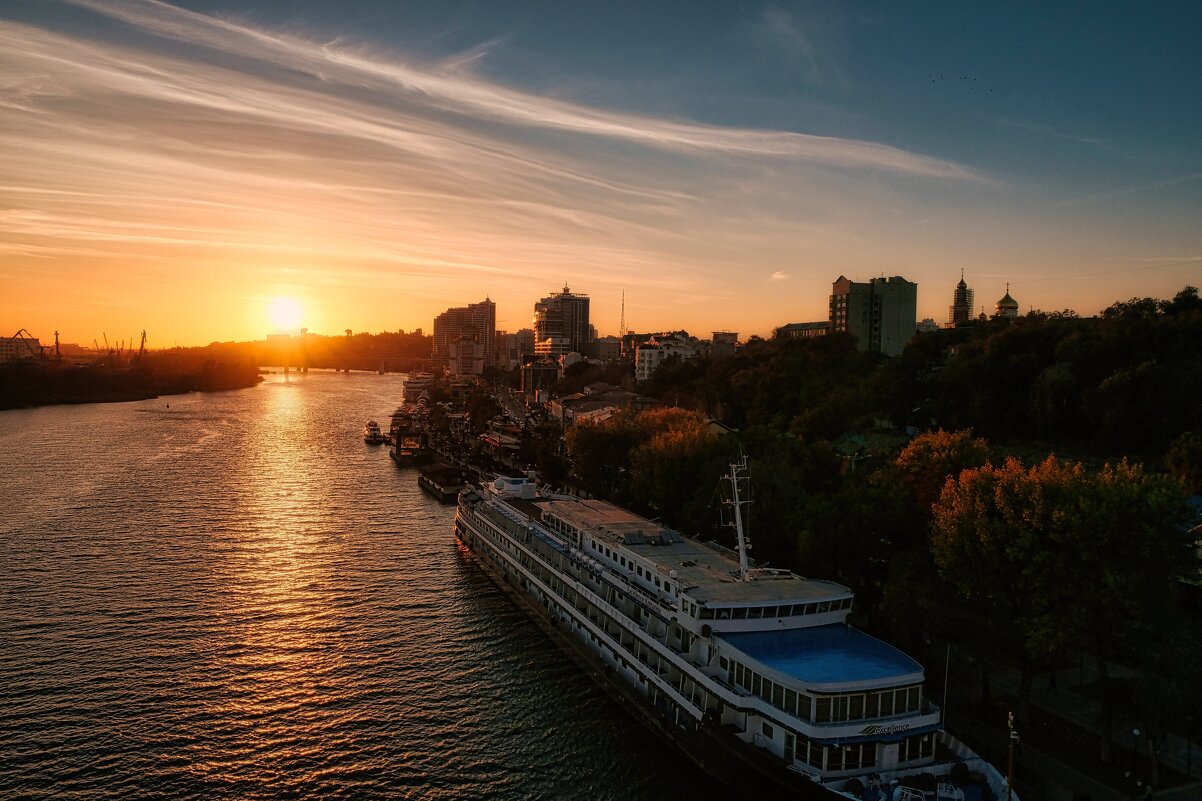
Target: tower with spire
[(960, 312)]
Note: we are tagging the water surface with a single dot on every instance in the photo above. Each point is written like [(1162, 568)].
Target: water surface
[(230, 595)]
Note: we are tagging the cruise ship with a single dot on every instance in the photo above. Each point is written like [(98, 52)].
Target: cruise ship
[(755, 673)]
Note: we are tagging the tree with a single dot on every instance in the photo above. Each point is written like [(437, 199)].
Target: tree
[(1183, 302), (987, 533), (1184, 461), (1059, 560), (673, 471), (1108, 572), (932, 457), (600, 452)]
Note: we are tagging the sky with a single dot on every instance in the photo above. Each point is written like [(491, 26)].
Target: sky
[(186, 168)]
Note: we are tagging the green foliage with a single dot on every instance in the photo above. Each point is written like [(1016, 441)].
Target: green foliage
[(1184, 461), (162, 373), (1125, 383), (579, 375), (931, 458), (1058, 559)]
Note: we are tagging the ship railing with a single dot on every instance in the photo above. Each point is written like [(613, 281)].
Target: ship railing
[(649, 602), (734, 689), (806, 771)]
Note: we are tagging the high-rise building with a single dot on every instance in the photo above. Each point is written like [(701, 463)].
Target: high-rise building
[(960, 312), (514, 349), (880, 314), (466, 357), (561, 323), (477, 321)]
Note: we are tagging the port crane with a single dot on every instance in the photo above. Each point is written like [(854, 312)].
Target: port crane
[(27, 342)]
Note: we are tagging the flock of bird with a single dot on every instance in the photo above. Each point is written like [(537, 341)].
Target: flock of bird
[(972, 80)]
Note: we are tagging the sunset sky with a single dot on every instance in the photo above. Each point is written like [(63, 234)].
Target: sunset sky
[(183, 167)]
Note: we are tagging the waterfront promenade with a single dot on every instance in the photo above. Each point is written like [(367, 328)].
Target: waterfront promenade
[(1040, 776)]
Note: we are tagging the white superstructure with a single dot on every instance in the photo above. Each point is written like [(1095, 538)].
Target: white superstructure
[(760, 664)]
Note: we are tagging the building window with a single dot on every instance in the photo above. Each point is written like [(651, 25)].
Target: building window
[(767, 729)]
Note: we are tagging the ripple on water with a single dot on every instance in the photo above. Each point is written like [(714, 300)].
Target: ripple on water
[(234, 597)]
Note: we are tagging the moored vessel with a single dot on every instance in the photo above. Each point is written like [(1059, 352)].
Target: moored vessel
[(372, 434), (755, 673), (415, 384), (443, 481)]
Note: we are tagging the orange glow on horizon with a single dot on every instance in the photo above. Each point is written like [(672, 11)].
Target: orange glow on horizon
[(284, 314)]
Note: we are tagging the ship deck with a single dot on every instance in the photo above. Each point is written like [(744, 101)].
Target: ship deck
[(835, 655)]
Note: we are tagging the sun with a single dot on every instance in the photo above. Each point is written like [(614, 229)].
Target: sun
[(284, 314)]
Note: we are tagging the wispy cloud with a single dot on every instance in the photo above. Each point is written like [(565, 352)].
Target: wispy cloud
[(780, 275), (451, 87), (213, 148), (1055, 133), (785, 32)]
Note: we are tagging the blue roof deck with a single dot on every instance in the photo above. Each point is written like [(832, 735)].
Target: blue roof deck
[(828, 655)]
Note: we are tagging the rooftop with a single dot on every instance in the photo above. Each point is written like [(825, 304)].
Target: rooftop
[(708, 573), (835, 654)]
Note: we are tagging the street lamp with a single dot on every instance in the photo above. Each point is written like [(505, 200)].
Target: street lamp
[(1135, 758), (1010, 765)]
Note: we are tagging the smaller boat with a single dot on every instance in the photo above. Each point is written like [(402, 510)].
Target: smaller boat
[(443, 481), (372, 434)]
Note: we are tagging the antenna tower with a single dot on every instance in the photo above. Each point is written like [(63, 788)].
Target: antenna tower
[(740, 496), (622, 324)]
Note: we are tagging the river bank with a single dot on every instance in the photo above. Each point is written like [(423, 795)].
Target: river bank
[(24, 386)]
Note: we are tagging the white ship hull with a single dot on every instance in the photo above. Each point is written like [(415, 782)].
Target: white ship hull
[(632, 644)]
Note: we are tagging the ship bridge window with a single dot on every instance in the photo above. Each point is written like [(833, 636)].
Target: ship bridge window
[(724, 614), (753, 612), (769, 611), (707, 613), (824, 606), (739, 614)]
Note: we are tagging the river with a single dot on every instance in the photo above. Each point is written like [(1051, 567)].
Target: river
[(230, 595)]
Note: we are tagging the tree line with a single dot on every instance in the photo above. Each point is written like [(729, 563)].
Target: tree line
[(984, 539)]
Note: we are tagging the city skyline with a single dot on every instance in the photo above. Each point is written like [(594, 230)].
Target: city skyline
[(184, 168)]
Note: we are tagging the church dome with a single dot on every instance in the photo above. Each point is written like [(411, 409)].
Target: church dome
[(1007, 307)]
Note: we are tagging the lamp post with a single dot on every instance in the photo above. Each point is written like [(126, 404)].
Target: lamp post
[(1010, 762), (1135, 758)]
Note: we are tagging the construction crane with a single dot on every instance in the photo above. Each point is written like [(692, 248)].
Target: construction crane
[(142, 347), (24, 347)]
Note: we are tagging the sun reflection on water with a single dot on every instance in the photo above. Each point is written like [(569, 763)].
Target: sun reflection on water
[(281, 644)]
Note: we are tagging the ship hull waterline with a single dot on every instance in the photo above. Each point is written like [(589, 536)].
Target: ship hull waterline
[(705, 746)]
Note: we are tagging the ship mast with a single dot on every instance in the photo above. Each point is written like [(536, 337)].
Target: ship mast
[(738, 474)]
